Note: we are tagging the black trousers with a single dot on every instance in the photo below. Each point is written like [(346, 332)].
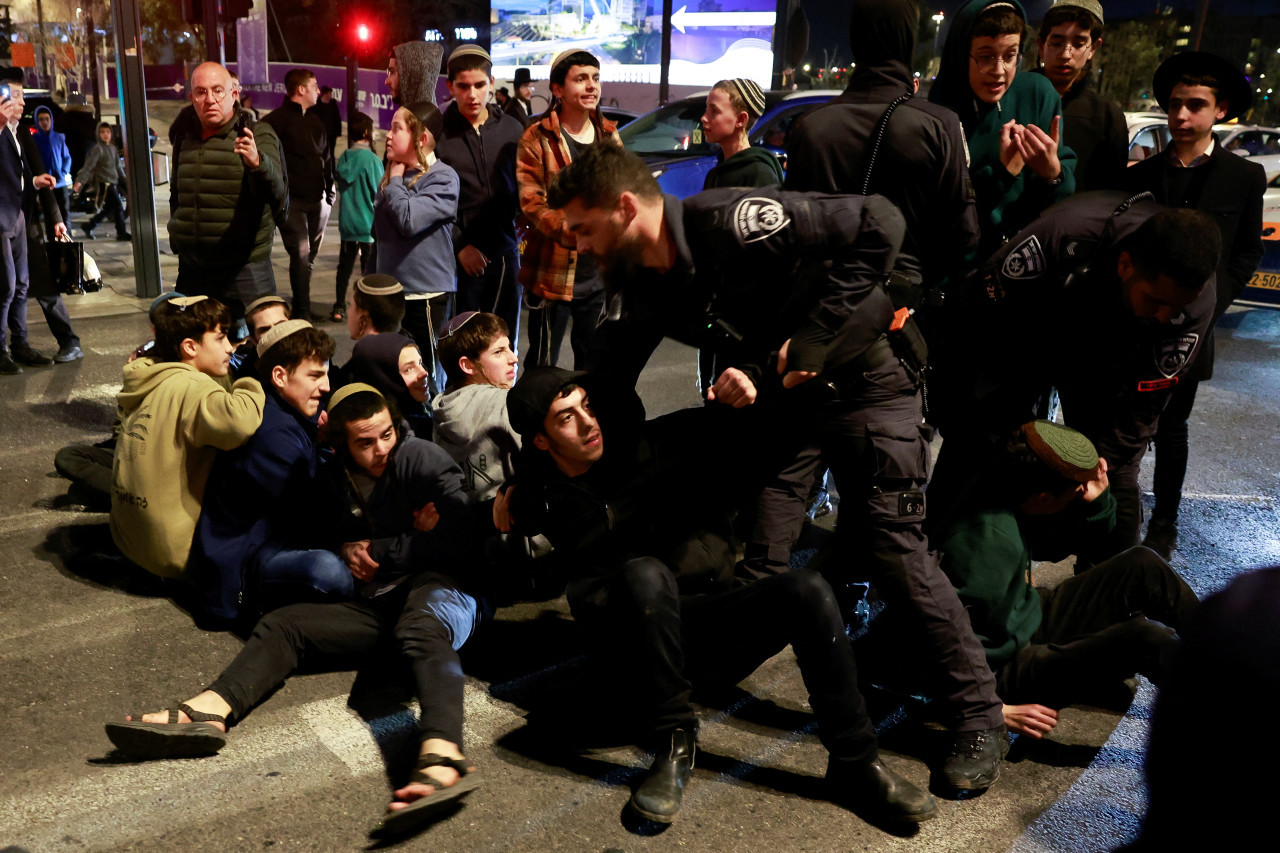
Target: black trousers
[(346, 263), (88, 465), (1173, 448), (871, 434), (302, 234), (496, 291), (427, 618), (664, 642), (1097, 630), (548, 324), (111, 206), (235, 288), (422, 319)]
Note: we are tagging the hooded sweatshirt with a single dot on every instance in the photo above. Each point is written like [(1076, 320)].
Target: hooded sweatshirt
[(750, 167), (418, 66), (473, 428), (1006, 203), (359, 171), (53, 149), (375, 360), (922, 165), (175, 420)]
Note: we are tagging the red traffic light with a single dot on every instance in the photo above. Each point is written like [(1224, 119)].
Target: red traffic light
[(362, 32)]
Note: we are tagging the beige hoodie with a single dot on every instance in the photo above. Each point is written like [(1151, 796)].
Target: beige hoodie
[(175, 419)]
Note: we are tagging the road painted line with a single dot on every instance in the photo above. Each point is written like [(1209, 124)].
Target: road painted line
[(60, 625)]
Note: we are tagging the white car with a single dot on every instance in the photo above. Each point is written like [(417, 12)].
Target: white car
[(1149, 134)]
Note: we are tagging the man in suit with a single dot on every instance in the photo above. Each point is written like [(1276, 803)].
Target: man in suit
[(20, 176), (519, 105), (1199, 90)]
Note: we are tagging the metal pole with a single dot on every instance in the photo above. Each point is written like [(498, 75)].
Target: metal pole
[(212, 21), (44, 59), (93, 65), (133, 108), (664, 70)]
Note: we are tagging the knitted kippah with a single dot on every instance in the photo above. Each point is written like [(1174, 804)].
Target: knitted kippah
[(269, 299), (347, 390), (1062, 449), (279, 332), (1092, 6), (379, 284), (469, 50), (182, 303), (750, 93)]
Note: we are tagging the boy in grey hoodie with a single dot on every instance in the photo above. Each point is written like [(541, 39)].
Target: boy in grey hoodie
[(471, 417)]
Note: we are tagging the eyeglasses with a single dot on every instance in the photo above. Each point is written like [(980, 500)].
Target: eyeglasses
[(988, 62), (203, 94), (1059, 44)]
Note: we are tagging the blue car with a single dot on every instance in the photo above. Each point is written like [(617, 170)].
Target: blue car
[(670, 138)]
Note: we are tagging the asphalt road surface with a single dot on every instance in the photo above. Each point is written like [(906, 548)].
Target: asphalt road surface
[(84, 639)]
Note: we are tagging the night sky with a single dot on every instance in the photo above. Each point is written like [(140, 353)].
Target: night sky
[(829, 21)]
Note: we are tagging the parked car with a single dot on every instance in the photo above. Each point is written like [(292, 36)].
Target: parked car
[(619, 116), (1149, 134), (670, 138)]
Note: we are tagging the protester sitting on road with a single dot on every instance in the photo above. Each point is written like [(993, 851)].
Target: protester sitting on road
[(471, 423), (260, 316), (265, 508), (407, 532), (413, 222), (375, 306), (598, 483), (393, 364), (1013, 122), (1038, 498), (358, 173), (176, 416)]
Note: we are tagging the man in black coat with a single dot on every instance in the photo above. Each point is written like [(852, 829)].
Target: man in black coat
[(1199, 90), (1092, 126)]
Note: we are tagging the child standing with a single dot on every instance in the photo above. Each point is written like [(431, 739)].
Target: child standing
[(733, 106), (413, 223), (102, 166), (359, 173)]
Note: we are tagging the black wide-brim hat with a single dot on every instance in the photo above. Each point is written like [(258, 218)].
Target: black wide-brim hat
[(1233, 86)]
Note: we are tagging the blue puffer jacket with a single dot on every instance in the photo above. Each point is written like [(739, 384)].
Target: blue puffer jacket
[(53, 148)]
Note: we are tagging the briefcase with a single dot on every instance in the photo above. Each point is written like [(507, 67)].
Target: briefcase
[(66, 263)]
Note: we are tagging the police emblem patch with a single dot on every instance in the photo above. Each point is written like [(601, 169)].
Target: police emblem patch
[(1025, 260), (757, 218), (1172, 354)]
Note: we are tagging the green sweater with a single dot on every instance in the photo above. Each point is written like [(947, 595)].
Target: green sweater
[(987, 548), (221, 212), (750, 167), (359, 172)]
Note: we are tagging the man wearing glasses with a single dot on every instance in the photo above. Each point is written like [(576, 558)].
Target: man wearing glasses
[(228, 185), (1094, 127), (1012, 121)]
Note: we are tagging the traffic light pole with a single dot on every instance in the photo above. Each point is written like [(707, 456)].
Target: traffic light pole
[(211, 19), (133, 108)]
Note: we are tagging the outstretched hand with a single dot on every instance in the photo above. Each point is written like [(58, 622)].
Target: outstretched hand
[(1032, 720), (1009, 155), (1039, 150)]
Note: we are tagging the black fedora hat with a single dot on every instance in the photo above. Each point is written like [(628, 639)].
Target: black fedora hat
[(522, 77), (1233, 86)]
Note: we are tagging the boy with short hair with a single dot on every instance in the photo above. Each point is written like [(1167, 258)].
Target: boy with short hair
[(1093, 126), (177, 413), (471, 423), (359, 172), (1012, 121), (559, 282), (102, 166), (260, 316), (265, 511), (480, 144)]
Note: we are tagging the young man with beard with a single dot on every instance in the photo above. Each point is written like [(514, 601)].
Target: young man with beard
[(611, 493), (1092, 126), (480, 143), (1199, 90), (255, 547), (741, 272)]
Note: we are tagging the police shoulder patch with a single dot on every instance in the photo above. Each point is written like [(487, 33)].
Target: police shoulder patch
[(757, 218), (1172, 354), (1025, 260)]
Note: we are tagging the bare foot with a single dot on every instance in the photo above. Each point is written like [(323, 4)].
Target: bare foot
[(1032, 720), (207, 702), (441, 777)]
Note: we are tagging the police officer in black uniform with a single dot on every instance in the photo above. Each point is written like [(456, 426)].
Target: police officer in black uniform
[(787, 288), (1105, 297)]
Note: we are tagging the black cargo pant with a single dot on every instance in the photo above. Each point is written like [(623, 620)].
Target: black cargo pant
[(1097, 630), (870, 433), (663, 642), (426, 618)]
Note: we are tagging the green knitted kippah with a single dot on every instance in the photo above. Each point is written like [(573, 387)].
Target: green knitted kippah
[(1061, 448)]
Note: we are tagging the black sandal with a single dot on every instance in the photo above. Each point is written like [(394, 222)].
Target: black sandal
[(172, 739), (422, 811)]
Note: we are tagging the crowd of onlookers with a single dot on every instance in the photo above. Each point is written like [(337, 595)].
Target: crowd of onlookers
[(981, 263)]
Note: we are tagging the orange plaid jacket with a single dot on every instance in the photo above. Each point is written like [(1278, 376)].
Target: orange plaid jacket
[(548, 259)]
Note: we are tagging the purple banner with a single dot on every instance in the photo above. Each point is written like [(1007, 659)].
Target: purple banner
[(251, 49)]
